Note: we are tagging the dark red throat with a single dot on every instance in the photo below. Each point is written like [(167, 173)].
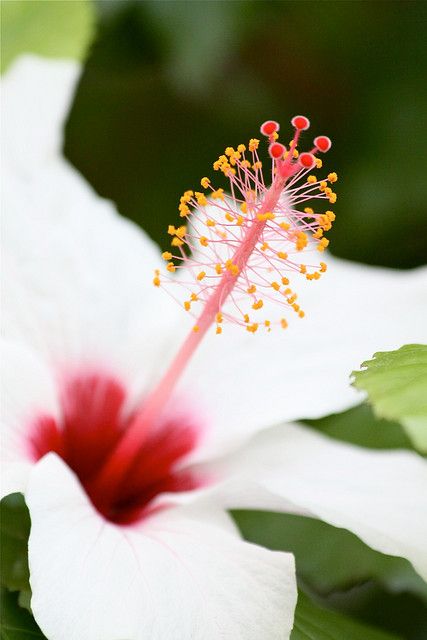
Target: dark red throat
[(91, 424)]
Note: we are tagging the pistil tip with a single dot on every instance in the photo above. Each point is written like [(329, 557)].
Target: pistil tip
[(269, 127), (300, 122), (307, 160), (322, 143), (276, 150)]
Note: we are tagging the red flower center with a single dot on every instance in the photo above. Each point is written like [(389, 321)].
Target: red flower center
[(91, 424)]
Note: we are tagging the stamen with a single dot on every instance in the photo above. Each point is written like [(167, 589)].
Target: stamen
[(237, 251)]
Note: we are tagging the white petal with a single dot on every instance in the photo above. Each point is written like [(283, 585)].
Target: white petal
[(251, 382), (381, 496), (36, 94), (86, 274), (27, 390), (14, 477), (173, 577)]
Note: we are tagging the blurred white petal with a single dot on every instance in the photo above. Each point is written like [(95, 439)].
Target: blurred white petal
[(251, 382), (36, 95), (180, 575), (381, 496)]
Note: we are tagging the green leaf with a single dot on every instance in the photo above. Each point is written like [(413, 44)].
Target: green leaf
[(16, 623), (360, 426), (328, 559), (53, 29), (14, 530), (313, 622), (396, 384)]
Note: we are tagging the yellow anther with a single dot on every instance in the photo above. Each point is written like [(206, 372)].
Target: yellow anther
[(308, 210), (246, 164), (283, 323), (285, 226), (241, 148), (184, 211), (292, 298), (257, 305), (219, 317), (264, 246), (301, 241), (218, 269), (166, 255), (194, 297), (156, 281), (318, 234), (229, 217), (246, 318), (203, 241), (240, 220), (267, 323), (196, 328), (187, 305), (229, 151), (303, 268), (176, 242), (201, 275), (218, 330), (201, 199), (265, 216), (322, 244), (244, 207), (171, 230), (328, 191), (205, 182), (218, 194), (319, 163), (251, 289), (323, 267), (332, 177), (282, 255), (275, 136), (333, 198), (210, 223), (331, 215), (181, 231), (253, 144), (171, 267), (301, 314), (285, 281), (316, 275), (257, 166), (311, 179), (252, 327), (325, 222), (296, 307), (287, 292), (275, 285)]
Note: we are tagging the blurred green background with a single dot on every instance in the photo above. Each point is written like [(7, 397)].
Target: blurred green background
[(169, 84)]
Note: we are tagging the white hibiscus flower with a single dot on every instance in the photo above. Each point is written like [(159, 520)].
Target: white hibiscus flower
[(87, 337)]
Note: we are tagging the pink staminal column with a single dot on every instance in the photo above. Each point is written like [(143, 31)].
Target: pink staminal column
[(250, 227)]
